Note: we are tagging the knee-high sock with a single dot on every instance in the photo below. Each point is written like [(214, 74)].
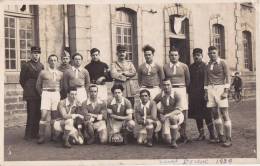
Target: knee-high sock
[(228, 128), (219, 126)]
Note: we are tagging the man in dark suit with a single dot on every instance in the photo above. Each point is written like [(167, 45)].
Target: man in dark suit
[(28, 77)]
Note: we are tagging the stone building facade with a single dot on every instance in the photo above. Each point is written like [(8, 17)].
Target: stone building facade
[(229, 26)]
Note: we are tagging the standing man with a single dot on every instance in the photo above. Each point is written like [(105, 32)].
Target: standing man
[(98, 72), (48, 86), (28, 77), (122, 71), (170, 113), (197, 104), (94, 111), (150, 74), (65, 65), (237, 84), (120, 113), (146, 118), (216, 93), (179, 75), (78, 77)]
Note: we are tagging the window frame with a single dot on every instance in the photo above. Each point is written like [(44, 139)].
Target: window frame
[(126, 25), (218, 34), (18, 16), (247, 51)]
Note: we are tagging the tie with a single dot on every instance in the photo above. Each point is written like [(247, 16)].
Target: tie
[(174, 69), (54, 76), (118, 107), (76, 73), (145, 111), (212, 65), (167, 100), (149, 67), (93, 105)]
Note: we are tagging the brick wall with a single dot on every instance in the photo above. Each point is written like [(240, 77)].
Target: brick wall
[(14, 98)]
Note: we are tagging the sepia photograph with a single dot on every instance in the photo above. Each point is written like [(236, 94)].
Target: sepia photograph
[(129, 83)]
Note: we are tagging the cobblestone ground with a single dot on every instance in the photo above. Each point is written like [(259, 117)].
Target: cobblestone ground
[(243, 117)]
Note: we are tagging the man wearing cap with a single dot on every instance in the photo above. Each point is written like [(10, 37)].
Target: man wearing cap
[(98, 72), (78, 77), (146, 118), (122, 71), (150, 73), (28, 77), (216, 93), (179, 75), (197, 104), (48, 85), (65, 65), (120, 113), (170, 113)]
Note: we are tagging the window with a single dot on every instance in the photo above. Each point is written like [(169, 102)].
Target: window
[(125, 33), (19, 35), (219, 39), (247, 50)]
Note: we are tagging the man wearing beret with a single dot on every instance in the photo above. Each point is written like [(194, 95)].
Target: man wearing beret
[(122, 71), (28, 77), (65, 65), (197, 103), (98, 72)]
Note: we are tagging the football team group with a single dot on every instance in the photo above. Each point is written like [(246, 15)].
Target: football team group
[(150, 104)]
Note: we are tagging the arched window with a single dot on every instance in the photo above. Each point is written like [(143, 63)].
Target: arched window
[(218, 39), (247, 47), (19, 35), (125, 32)]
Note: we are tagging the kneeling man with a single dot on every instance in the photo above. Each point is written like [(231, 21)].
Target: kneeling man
[(146, 118), (170, 113), (120, 114), (69, 109), (94, 110)]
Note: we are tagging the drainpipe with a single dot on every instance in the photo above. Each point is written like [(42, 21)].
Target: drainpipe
[(236, 16)]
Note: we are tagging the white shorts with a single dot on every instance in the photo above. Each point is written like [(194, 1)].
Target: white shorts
[(181, 91), (166, 125), (50, 100), (117, 125), (140, 129), (214, 93), (102, 92), (81, 94), (100, 125), (153, 91)]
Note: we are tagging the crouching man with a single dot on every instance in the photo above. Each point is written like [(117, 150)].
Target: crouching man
[(146, 118), (170, 113), (120, 116), (94, 110), (69, 109)]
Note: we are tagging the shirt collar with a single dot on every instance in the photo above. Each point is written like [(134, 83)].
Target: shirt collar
[(67, 102), (90, 102), (152, 64), (177, 64), (114, 101), (146, 105), (172, 94), (218, 61), (52, 70), (74, 68)]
